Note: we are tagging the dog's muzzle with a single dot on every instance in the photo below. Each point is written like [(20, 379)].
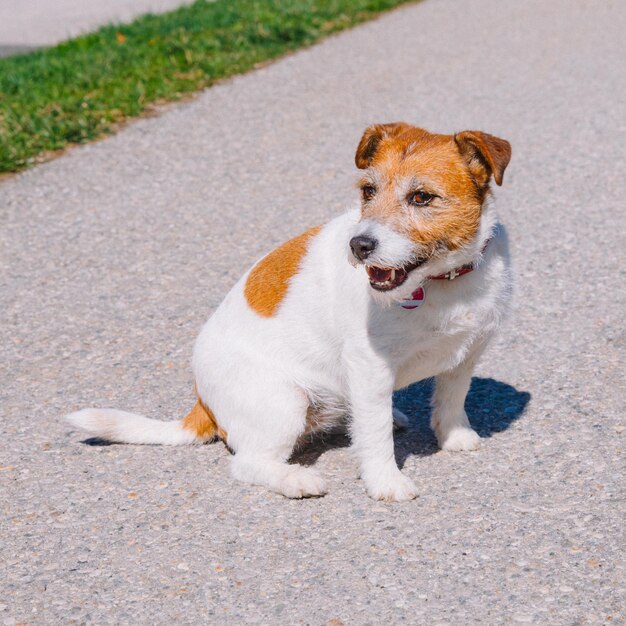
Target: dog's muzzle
[(362, 246)]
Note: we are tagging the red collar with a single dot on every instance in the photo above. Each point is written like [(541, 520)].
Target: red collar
[(455, 273), (418, 296), (459, 271)]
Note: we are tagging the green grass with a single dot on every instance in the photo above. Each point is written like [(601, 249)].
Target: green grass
[(82, 88)]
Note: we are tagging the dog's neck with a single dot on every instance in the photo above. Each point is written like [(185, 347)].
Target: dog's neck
[(484, 236), (462, 269)]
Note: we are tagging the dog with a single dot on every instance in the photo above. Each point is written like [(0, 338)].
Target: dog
[(411, 284)]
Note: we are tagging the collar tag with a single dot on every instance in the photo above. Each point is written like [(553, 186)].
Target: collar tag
[(418, 296), (416, 299)]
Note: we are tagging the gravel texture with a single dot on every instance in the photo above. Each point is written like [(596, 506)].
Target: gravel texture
[(114, 255)]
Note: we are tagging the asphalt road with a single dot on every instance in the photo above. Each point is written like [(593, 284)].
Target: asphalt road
[(26, 24), (114, 255)]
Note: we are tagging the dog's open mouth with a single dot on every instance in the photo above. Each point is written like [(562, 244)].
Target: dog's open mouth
[(387, 278)]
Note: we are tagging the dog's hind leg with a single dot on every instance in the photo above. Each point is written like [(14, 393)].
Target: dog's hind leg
[(268, 469), (264, 442), (400, 420)]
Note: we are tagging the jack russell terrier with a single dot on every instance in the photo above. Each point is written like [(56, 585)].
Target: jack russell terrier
[(411, 285)]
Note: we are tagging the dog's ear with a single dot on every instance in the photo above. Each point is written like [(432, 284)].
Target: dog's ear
[(485, 155), (371, 139)]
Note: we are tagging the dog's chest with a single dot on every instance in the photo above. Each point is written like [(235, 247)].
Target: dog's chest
[(428, 341)]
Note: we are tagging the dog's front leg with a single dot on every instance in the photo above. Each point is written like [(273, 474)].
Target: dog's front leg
[(371, 386), (449, 419)]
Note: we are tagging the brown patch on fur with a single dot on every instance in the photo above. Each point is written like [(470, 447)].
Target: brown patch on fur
[(371, 139), (268, 282), (202, 422), (446, 166), (485, 154)]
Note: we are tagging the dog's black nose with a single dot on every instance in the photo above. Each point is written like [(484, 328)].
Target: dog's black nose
[(362, 246)]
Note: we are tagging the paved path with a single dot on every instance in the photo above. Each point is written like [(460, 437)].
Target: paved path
[(26, 24), (115, 254)]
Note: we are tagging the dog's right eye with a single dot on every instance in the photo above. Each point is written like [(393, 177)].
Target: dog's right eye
[(368, 191)]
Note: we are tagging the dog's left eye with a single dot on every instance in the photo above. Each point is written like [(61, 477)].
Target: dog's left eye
[(420, 198), (368, 191)]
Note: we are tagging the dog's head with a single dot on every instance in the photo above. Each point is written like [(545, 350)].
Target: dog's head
[(422, 196)]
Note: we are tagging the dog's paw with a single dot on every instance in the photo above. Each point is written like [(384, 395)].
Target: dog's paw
[(460, 439), (391, 487), (302, 482), (400, 420)]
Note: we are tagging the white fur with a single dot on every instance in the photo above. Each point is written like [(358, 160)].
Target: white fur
[(336, 340), (338, 345), (123, 427), (394, 250)]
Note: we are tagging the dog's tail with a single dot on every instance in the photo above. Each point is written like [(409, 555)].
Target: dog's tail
[(198, 426)]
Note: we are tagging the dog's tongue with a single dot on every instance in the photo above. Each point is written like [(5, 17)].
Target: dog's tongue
[(379, 274)]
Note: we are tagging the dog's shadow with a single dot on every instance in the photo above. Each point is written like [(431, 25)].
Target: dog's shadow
[(98, 442), (492, 406)]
